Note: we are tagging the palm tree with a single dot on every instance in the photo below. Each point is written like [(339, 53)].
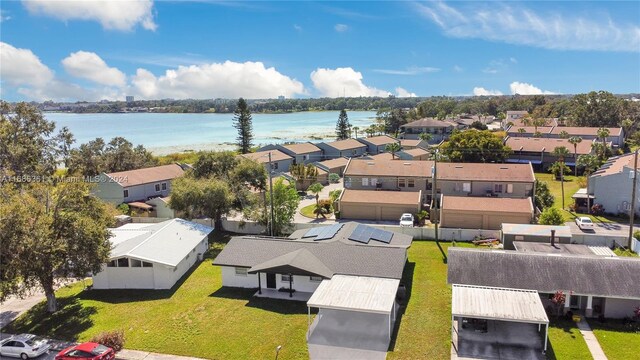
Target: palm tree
[(575, 140), (393, 148), (561, 152), (563, 134), (522, 131), (529, 120), (302, 173), (590, 163), (355, 128), (316, 188), (603, 133), (425, 137)]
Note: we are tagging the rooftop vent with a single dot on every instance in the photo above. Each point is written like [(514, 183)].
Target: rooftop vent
[(407, 163), (370, 163), (459, 167)]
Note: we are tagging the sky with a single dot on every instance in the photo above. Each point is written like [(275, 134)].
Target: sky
[(92, 50)]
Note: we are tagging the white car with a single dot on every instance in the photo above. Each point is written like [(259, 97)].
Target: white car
[(584, 223), (406, 220), (23, 346)]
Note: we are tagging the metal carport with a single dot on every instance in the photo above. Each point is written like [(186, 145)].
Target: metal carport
[(500, 304)]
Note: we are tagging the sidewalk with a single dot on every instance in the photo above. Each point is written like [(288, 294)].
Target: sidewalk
[(143, 355), (590, 339)]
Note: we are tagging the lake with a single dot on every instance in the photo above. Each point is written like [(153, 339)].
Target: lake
[(164, 133)]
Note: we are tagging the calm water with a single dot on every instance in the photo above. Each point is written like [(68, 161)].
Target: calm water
[(183, 130)]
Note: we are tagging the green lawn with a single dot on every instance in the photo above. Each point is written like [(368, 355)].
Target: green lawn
[(308, 211), (619, 342), (201, 319), (566, 342)]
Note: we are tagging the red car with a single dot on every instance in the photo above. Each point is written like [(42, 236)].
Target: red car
[(88, 350)]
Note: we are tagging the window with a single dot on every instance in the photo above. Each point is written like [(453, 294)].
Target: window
[(497, 188), (274, 166), (355, 152), (286, 278), (509, 188), (112, 263), (466, 187), (401, 183), (411, 183), (241, 271), (157, 187), (136, 263), (147, 264), (315, 278), (164, 186), (374, 181), (126, 193), (365, 181), (123, 262), (9, 344)]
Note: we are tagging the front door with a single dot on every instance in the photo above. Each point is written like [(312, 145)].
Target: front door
[(271, 281)]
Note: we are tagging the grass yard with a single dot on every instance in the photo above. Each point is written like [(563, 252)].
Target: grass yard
[(619, 342), (201, 319), (566, 342), (308, 211)]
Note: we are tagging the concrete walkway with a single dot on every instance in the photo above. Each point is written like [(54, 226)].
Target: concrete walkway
[(590, 339), (143, 355), (311, 199)]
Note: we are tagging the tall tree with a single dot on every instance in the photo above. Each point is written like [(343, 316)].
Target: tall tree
[(596, 109), (243, 123), (563, 134), (285, 205), (590, 163), (603, 133), (303, 174), (201, 197), (119, 154), (28, 142), (561, 153), (575, 140), (395, 119), (50, 232), (342, 126), (393, 148), (535, 121), (475, 146), (215, 164)]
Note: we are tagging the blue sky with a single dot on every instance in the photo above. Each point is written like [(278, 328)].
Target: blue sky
[(87, 50)]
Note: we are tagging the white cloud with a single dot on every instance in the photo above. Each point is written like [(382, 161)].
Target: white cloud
[(224, 80), (400, 92), (513, 60), (3, 16), (516, 24), (412, 70), (341, 27), (121, 15), (342, 82), (297, 27), (480, 91), (21, 67), (457, 68), (90, 66), (527, 89)]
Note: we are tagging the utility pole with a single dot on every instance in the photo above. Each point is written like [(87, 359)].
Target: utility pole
[(271, 195), (632, 212), (434, 211)]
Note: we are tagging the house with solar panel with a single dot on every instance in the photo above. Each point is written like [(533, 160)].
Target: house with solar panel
[(351, 272)]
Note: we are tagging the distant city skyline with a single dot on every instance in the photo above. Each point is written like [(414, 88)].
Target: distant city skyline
[(88, 51)]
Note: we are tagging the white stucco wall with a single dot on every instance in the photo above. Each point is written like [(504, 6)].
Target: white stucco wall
[(619, 308), (230, 279)]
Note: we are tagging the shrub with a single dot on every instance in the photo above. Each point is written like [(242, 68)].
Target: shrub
[(335, 194), (334, 178), (636, 234), (326, 204), (582, 182), (421, 216), (123, 208), (557, 167), (551, 216), (597, 209), (113, 339)]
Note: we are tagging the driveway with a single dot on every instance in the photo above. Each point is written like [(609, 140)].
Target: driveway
[(311, 199), (604, 229)]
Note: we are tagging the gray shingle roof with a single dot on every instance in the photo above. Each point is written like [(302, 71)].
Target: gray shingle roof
[(582, 274), (339, 255), (300, 262)]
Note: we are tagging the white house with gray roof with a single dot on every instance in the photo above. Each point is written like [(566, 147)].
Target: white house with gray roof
[(152, 256)]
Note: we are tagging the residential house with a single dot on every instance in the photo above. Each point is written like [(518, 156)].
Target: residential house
[(411, 176), (152, 256), (333, 166), (468, 212), (408, 144), (137, 185), (512, 117), (377, 144), (616, 135), (350, 272), (611, 185), (486, 180), (378, 205), (586, 280), (302, 153), (161, 207), (438, 129), (280, 162), (342, 148), (534, 233), (539, 151)]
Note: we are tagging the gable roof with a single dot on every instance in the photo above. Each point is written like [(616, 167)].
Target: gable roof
[(428, 122), (334, 163), (168, 242), (379, 140), (416, 152), (616, 165), (378, 167), (581, 274), (346, 144), (298, 262), (482, 204), (515, 129), (486, 172), (547, 144), (263, 156), (578, 131), (146, 175), (338, 254), (302, 148), (411, 142)]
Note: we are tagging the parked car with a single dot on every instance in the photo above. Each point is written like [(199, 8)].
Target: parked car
[(88, 350), (406, 220), (584, 223), (23, 346)]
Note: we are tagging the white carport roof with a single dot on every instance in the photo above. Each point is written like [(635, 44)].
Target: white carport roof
[(491, 303), (356, 293)]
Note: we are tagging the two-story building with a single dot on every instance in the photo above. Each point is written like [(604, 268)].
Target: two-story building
[(539, 151), (137, 185), (611, 185), (280, 162), (377, 144), (438, 129), (302, 153), (616, 135), (342, 148)]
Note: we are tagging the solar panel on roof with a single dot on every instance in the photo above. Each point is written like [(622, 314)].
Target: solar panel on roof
[(328, 232), (313, 232), (361, 234), (382, 235)]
